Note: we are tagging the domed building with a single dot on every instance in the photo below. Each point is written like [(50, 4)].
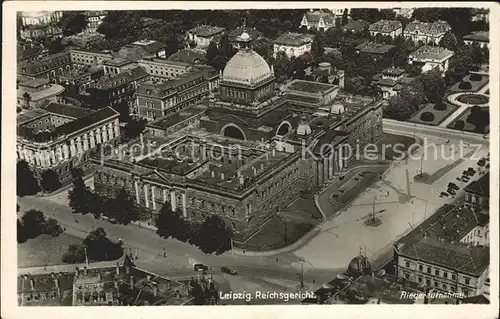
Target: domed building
[(247, 105), (359, 266)]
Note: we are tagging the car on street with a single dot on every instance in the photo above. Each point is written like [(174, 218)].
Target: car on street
[(198, 267), (471, 171), (226, 270), (453, 186), (451, 191), (443, 194), (465, 178)]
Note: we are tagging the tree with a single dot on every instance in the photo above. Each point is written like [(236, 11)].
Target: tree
[(80, 196), (21, 233), (433, 85), (50, 180), (440, 106), (171, 224), (426, 14), (345, 18), (427, 117), (212, 52), (318, 47), (214, 236), (135, 127), (298, 68), (27, 184), (406, 103), (480, 118), (27, 99), (370, 15), (100, 248), (57, 46), (75, 254), (33, 221), (282, 66), (73, 22), (459, 125), (449, 41), (125, 209), (52, 227), (475, 77), (219, 62), (465, 85)]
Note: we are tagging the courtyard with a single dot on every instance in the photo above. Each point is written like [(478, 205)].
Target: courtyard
[(475, 85), (438, 115), (460, 122)]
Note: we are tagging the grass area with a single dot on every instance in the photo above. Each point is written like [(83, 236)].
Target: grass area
[(353, 187), (439, 116), (389, 143), (476, 85), (473, 99), (468, 127), (44, 250)]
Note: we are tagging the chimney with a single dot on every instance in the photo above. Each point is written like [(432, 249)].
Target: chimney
[(127, 269), (155, 288), (85, 270), (148, 277), (274, 152), (254, 171), (99, 277), (77, 272), (56, 283), (32, 284), (222, 176), (142, 141), (132, 282), (177, 294), (117, 268), (242, 180), (213, 174), (261, 166)]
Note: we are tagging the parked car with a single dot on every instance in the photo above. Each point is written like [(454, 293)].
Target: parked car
[(453, 186), (443, 194), (226, 270), (451, 191), (471, 171), (198, 267)]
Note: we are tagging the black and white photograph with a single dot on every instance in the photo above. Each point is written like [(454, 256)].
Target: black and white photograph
[(310, 154)]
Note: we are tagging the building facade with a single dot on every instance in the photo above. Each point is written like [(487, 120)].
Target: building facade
[(480, 38), (61, 137), (34, 18), (430, 57), (162, 70), (202, 35), (477, 194), (391, 28), (426, 32), (35, 92), (318, 20), (95, 19)]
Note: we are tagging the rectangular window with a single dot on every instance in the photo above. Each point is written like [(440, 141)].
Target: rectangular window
[(407, 264), (445, 274), (436, 272), (445, 287), (467, 281), (421, 267), (407, 276), (453, 276), (428, 282), (429, 270)]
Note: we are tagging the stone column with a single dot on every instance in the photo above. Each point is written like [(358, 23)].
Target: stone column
[(165, 195), (110, 131), (98, 135), (117, 128), (53, 157), (104, 134), (137, 198), (85, 141), (173, 200), (325, 169), (184, 204), (79, 144), (92, 139), (72, 147), (330, 166), (146, 194), (65, 151), (153, 190)]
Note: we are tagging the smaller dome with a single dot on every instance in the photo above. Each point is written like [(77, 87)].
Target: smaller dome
[(244, 37), (359, 265), (303, 129), (337, 109)]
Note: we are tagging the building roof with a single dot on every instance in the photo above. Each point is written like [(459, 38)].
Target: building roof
[(310, 86), (480, 187), (428, 52), (47, 284), (177, 117), (254, 33), (125, 76), (385, 26), (50, 62), (374, 48), (293, 39), (393, 71), (479, 36), (246, 67), (189, 56), (150, 46), (117, 62), (206, 31), (315, 16), (133, 52), (27, 50), (87, 120), (67, 110), (356, 25), (437, 241), (34, 83), (427, 28)]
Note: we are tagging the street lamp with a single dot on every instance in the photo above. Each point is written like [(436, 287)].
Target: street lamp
[(284, 223), (301, 275)]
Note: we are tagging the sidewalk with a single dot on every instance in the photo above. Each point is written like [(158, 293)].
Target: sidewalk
[(65, 267)]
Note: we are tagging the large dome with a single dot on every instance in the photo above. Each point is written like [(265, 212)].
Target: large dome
[(246, 67)]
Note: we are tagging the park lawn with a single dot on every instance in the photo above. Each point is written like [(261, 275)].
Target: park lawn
[(389, 142), (468, 127), (476, 85), (439, 116), (44, 250)]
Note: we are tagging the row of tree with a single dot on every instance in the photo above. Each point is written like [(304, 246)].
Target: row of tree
[(34, 223), (27, 183)]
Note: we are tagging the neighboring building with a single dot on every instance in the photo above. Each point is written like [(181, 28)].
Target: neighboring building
[(427, 32), (157, 100), (174, 122), (89, 58), (154, 48), (391, 80), (29, 52), (477, 194), (326, 74), (430, 57), (404, 12), (47, 68), (293, 44), (189, 56), (34, 18), (95, 19), (84, 40), (122, 285), (374, 49), (77, 80), (481, 38), (133, 53), (162, 70), (319, 20), (391, 28), (204, 34), (40, 31), (356, 26), (39, 91), (116, 66), (60, 137), (254, 34), (445, 252), (480, 14), (310, 95), (115, 90)]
